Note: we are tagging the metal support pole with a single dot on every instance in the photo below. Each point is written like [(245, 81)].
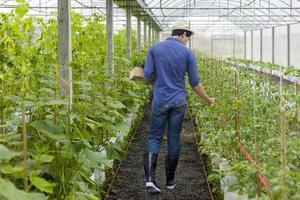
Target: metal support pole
[(273, 45), (190, 41), (149, 34), (65, 49), (153, 34), (212, 46), (145, 34), (245, 44), (156, 35), (138, 35), (109, 36), (261, 45), (233, 45), (128, 30), (288, 45), (251, 45)]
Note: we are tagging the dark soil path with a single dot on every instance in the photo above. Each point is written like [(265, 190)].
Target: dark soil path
[(191, 180)]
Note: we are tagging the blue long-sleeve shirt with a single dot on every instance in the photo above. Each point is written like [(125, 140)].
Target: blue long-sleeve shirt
[(168, 62)]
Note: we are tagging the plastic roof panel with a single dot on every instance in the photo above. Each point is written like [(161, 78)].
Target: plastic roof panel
[(202, 15), (240, 14)]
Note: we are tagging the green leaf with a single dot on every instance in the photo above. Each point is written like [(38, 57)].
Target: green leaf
[(29, 104), (123, 127), (8, 169), (82, 196), (47, 91), (49, 129), (114, 151), (55, 102), (92, 124), (42, 184), (113, 103), (13, 98), (96, 158), (10, 192), (45, 158), (7, 154), (22, 9)]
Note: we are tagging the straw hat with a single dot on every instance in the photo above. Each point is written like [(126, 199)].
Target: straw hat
[(181, 26)]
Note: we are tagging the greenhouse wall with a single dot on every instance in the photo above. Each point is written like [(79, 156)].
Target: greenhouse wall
[(267, 45), (224, 48), (256, 45), (295, 45), (221, 47), (239, 44), (248, 45), (280, 45)]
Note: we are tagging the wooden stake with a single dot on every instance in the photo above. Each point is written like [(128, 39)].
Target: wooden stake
[(1, 108), (237, 95), (296, 109), (222, 77), (258, 185), (215, 78), (283, 149)]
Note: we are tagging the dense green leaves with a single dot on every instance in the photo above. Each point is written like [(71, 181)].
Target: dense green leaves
[(10, 192), (42, 184), (49, 129), (64, 145), (248, 109), (7, 154)]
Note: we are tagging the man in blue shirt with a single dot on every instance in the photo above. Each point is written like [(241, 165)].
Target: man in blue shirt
[(166, 65)]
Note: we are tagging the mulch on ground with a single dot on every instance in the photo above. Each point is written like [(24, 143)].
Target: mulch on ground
[(190, 176)]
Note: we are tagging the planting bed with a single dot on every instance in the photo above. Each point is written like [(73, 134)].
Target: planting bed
[(191, 180)]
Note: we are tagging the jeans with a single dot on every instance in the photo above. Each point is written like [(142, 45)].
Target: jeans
[(161, 116)]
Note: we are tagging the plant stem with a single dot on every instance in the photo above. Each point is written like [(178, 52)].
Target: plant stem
[(1, 108), (258, 185), (1, 113), (283, 150), (237, 95), (24, 134), (222, 76), (296, 109)]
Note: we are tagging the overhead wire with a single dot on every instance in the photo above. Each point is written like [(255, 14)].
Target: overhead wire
[(89, 7)]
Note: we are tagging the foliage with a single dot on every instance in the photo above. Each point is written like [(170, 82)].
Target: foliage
[(64, 146), (247, 109)]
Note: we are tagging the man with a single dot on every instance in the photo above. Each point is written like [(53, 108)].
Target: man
[(166, 65)]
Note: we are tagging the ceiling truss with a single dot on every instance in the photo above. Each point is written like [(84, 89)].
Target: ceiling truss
[(242, 15)]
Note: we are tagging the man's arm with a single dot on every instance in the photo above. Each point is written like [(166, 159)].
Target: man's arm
[(201, 92), (149, 68)]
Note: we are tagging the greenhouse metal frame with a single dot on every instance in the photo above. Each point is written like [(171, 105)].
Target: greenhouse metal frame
[(203, 16)]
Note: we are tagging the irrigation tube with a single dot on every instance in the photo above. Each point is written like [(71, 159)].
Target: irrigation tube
[(261, 178), (201, 159)]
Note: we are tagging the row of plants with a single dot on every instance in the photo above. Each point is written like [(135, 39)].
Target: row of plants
[(49, 151), (259, 113), (289, 70)]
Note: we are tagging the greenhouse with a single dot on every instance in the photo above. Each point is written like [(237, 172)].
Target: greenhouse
[(149, 99)]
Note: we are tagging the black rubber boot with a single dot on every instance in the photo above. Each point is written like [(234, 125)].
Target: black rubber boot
[(171, 165), (150, 160)]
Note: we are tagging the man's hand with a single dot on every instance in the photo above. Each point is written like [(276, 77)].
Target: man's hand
[(151, 79), (212, 101), (201, 92)]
